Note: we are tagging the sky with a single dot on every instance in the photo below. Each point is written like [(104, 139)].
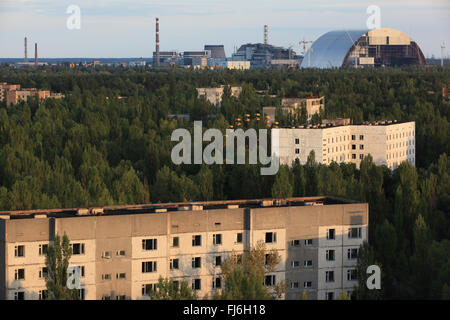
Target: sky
[(113, 28)]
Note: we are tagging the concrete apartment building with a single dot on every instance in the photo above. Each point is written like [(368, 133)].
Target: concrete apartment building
[(388, 142), (13, 94), (312, 104), (214, 95), (123, 250)]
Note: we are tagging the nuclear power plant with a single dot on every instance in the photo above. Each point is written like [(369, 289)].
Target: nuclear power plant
[(363, 48)]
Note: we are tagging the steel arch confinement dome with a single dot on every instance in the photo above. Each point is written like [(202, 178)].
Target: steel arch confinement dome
[(379, 47)]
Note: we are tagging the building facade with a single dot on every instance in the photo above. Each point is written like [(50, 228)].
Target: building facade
[(214, 95), (313, 105), (388, 142), (123, 250)]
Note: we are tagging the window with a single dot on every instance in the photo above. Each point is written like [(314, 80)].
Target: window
[(329, 276), (239, 237), (196, 241), (106, 254), (331, 234), (295, 243), (19, 251), (81, 270), (352, 275), (19, 274), (217, 283), (121, 297), (361, 147), (120, 253), (330, 255), (120, 276), (149, 244), (329, 296), (106, 276), (307, 284), (361, 156), (81, 293), (295, 264), (217, 239), (196, 262), (353, 156), (43, 273), (307, 263), (77, 248), (308, 242), (354, 233), (218, 261), (353, 137), (174, 264), (294, 285), (19, 295), (43, 249), (271, 237), (106, 297), (297, 151), (43, 294), (352, 254), (196, 284), (147, 288), (175, 242), (361, 137), (148, 266), (297, 140), (269, 280), (353, 146)]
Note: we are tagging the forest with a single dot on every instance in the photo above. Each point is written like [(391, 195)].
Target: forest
[(108, 142)]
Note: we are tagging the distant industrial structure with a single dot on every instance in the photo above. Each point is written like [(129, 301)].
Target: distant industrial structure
[(362, 48), (213, 56)]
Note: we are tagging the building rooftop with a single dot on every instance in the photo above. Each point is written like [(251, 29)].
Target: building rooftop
[(176, 206), (341, 124)]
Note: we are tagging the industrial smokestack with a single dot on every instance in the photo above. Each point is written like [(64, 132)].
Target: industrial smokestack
[(265, 34), (35, 55), (26, 50), (157, 42)]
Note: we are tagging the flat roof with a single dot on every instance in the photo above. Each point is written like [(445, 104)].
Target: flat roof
[(365, 123), (177, 206)]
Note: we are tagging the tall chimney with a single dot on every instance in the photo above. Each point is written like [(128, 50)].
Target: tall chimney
[(157, 42), (35, 55), (265, 34), (26, 50)]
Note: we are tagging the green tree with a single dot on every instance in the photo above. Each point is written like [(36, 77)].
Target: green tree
[(244, 275), (168, 289), (57, 262)]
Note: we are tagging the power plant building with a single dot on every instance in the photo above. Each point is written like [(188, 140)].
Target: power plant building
[(122, 251), (359, 48)]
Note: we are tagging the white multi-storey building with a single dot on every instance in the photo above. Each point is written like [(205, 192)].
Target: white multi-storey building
[(123, 250), (388, 142)]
